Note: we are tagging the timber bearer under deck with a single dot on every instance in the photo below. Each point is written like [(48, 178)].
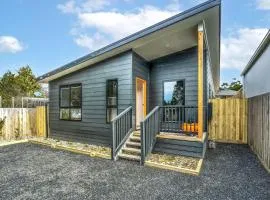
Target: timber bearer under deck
[(145, 93)]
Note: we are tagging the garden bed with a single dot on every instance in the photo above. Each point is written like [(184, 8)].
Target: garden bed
[(9, 142), (91, 150), (174, 162)]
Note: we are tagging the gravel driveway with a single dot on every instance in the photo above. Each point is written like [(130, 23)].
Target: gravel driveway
[(30, 171)]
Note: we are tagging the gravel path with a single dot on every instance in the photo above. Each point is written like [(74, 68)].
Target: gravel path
[(31, 171)]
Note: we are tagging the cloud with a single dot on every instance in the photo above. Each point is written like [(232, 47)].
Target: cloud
[(263, 4), (237, 48), (10, 44), (93, 42), (68, 7), (123, 23), (82, 6), (98, 26)]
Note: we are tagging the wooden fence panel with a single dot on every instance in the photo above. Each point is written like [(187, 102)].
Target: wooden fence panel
[(23, 122), (41, 121), (229, 120), (259, 127)]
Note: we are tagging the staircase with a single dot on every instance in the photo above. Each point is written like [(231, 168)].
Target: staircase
[(131, 150)]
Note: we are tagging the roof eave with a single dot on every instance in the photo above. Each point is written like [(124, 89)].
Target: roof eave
[(156, 27), (257, 53)]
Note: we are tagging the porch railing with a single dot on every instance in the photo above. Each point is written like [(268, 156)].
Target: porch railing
[(121, 129), (149, 129), (179, 119)]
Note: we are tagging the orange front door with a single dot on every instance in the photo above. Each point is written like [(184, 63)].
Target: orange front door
[(140, 100)]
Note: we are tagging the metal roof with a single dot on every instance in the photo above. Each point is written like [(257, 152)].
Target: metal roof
[(156, 27)]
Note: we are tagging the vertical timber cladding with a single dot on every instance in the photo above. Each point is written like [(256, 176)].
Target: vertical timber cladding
[(200, 80), (259, 127), (229, 120)]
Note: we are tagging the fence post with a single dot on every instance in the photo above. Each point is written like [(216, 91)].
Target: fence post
[(12, 102)]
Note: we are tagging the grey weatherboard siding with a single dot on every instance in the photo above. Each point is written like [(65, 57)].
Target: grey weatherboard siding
[(93, 127), (179, 66), (181, 147), (140, 69), (125, 67)]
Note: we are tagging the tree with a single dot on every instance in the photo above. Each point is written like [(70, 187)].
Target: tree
[(22, 83), (234, 85), (27, 82), (178, 94)]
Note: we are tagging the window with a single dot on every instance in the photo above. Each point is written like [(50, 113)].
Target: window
[(173, 94), (112, 104), (71, 102)]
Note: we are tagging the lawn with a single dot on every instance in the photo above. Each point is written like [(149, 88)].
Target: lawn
[(30, 171)]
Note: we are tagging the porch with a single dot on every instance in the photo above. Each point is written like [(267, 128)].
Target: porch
[(169, 107)]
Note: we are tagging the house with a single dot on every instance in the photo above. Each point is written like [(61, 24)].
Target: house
[(257, 91), (226, 93), (256, 73), (146, 92)]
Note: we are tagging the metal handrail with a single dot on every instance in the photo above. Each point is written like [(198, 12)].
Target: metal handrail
[(121, 114), (149, 129), (121, 129)]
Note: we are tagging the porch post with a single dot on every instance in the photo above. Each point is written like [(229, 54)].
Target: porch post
[(200, 80)]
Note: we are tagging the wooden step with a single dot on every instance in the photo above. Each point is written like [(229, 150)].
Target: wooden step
[(135, 139), (136, 134), (133, 144), (129, 157), (135, 151)]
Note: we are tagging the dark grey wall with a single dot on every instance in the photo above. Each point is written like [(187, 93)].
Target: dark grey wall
[(181, 147), (180, 66), (125, 67), (140, 69), (93, 127)]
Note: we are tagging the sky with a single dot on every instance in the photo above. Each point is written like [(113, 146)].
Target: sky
[(48, 34)]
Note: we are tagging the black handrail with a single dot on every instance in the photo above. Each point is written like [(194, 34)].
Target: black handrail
[(149, 129), (121, 129)]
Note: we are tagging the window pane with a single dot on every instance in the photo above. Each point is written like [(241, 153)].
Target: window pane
[(64, 113), (112, 93), (75, 96), (111, 113), (76, 114), (174, 93), (64, 97)]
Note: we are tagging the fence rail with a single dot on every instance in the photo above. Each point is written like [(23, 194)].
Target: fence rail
[(259, 127), (150, 127), (179, 119), (229, 120), (22, 123), (121, 129)]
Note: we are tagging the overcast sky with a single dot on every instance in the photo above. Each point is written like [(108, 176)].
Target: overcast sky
[(48, 34)]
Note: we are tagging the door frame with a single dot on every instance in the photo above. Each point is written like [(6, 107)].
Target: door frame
[(144, 82)]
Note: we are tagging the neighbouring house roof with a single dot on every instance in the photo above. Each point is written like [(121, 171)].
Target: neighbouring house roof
[(265, 42), (180, 24), (226, 92)]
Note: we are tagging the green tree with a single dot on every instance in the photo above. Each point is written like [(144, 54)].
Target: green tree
[(27, 82), (178, 94), (234, 85), (22, 83)]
